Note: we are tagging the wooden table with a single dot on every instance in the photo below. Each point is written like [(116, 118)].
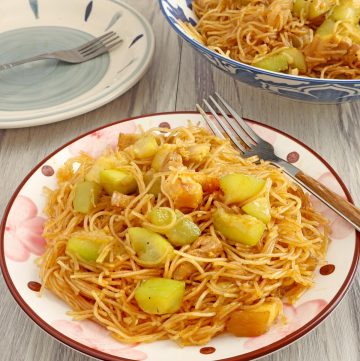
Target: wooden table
[(176, 80)]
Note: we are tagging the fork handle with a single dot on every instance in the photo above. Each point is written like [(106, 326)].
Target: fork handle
[(24, 61), (338, 204)]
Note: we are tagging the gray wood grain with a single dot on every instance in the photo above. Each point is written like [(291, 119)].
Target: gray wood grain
[(177, 79)]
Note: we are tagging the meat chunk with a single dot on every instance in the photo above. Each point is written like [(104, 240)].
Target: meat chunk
[(184, 191), (204, 246), (165, 158), (195, 153), (121, 200), (208, 182), (207, 247)]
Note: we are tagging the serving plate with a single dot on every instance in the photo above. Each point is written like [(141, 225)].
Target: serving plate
[(48, 91), (21, 244)]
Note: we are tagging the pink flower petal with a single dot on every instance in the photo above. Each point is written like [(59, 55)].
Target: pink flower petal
[(94, 144), (36, 224), (331, 182), (32, 241), (14, 250), (308, 310), (129, 353), (339, 227), (23, 208), (73, 330), (97, 337)]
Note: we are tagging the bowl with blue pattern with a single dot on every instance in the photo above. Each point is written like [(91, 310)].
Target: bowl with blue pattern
[(295, 87)]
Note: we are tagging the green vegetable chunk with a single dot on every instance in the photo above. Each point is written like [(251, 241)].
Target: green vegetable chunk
[(155, 189), (311, 9), (86, 196), (296, 58), (281, 61), (161, 216), (276, 62), (150, 247), (239, 228), (87, 247), (327, 28), (184, 232), (238, 187), (346, 11), (118, 180), (145, 147), (102, 163), (258, 208), (159, 296)]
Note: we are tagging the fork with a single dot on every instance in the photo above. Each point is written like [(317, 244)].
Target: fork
[(250, 144), (85, 52)]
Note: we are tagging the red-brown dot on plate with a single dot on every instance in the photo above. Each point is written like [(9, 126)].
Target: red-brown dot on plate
[(207, 350), (34, 286), (47, 171), (328, 269), (165, 125), (293, 157)]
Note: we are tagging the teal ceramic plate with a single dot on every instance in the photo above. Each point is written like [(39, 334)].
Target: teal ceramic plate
[(48, 91)]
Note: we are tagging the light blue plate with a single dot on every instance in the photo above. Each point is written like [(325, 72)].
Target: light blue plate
[(50, 82), (48, 90)]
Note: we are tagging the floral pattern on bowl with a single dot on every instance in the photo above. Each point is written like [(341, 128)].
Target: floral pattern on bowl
[(23, 231), (290, 86), (21, 238), (98, 338)]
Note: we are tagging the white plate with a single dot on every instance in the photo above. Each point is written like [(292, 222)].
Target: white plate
[(21, 242), (49, 91)]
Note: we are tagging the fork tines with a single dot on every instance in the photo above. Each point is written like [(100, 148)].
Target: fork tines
[(236, 129), (98, 45)]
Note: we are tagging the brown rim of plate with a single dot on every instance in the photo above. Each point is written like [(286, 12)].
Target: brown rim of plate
[(275, 346)]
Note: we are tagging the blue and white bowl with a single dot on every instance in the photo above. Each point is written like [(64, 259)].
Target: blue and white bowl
[(290, 86)]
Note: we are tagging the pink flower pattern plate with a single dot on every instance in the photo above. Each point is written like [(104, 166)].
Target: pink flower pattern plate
[(22, 243)]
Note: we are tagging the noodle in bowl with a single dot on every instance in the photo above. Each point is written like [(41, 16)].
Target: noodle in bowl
[(182, 17)]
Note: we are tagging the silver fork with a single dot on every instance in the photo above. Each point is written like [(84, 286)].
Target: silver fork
[(85, 52), (250, 144)]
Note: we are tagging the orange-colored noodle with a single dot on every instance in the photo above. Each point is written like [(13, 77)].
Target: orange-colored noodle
[(280, 267), (249, 30)]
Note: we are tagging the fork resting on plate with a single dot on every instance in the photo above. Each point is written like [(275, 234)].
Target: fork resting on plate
[(80, 54), (250, 144)]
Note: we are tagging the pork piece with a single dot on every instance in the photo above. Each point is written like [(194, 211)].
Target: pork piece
[(204, 246), (208, 182), (121, 200), (195, 153), (184, 191), (166, 157)]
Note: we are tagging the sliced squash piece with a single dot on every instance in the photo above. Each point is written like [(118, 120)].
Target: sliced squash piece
[(258, 208), (86, 196), (159, 296), (150, 247), (239, 227), (238, 187), (118, 180)]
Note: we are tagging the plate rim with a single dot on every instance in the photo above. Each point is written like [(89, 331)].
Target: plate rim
[(42, 119), (263, 351)]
